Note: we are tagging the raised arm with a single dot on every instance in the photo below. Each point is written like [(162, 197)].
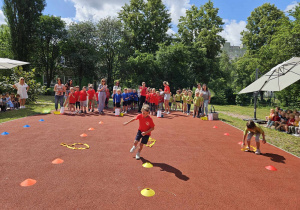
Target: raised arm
[(133, 119)]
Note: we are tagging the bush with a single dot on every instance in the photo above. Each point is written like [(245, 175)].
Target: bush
[(50, 92), (35, 88)]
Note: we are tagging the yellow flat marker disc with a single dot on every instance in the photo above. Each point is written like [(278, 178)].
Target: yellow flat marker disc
[(56, 112), (147, 165), (147, 192)]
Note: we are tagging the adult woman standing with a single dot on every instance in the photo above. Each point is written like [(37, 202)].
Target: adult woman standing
[(102, 95), (59, 90), (117, 86), (166, 97), (205, 93), (143, 92), (22, 88)]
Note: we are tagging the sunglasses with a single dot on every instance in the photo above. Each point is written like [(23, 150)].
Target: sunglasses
[(22, 79)]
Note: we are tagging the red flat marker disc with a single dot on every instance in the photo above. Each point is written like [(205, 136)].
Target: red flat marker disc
[(271, 168)]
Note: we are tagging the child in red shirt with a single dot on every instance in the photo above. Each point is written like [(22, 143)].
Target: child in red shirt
[(77, 92), (152, 100), (83, 100), (92, 97), (107, 98), (72, 100), (156, 100), (290, 122), (146, 125)]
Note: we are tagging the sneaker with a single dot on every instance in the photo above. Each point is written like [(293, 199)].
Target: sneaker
[(137, 156), (84, 112), (247, 149), (296, 134), (113, 111), (92, 110), (194, 116), (132, 149), (168, 112), (125, 112), (164, 112), (257, 152)]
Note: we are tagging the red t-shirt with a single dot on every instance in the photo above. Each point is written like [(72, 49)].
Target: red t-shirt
[(91, 93), (145, 123), (276, 118), (82, 95), (107, 94), (97, 95), (167, 89), (143, 91), (148, 97), (77, 95), (156, 99), (160, 99), (153, 97), (72, 98), (290, 122)]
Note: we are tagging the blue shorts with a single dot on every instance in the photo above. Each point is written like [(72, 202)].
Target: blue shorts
[(144, 138)]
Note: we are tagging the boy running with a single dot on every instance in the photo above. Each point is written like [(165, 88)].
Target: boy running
[(146, 125)]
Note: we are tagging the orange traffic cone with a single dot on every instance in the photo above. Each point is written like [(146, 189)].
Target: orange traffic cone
[(101, 122), (83, 135), (91, 129)]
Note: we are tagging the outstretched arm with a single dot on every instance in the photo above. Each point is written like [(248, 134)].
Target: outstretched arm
[(133, 119)]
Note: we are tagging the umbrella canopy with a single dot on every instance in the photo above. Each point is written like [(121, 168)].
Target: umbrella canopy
[(278, 78), (6, 63)]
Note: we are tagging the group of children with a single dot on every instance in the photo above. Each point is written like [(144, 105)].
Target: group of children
[(155, 99), (129, 99), (9, 101), (287, 121)]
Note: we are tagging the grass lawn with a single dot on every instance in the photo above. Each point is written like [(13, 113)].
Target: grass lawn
[(43, 104), (234, 115), (230, 114)]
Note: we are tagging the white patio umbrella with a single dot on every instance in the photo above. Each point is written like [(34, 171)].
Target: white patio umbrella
[(6, 63), (278, 78)]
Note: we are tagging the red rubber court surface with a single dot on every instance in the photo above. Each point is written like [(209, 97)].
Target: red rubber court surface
[(195, 166)]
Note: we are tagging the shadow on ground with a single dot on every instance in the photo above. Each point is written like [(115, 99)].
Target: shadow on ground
[(168, 168), (275, 157)]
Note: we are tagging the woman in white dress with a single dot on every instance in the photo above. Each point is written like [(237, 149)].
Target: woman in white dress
[(22, 88)]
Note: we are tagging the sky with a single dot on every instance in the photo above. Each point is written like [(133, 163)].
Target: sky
[(233, 12)]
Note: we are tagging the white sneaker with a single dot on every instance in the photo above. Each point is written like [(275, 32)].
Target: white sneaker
[(164, 112), (132, 149), (137, 156), (168, 112), (296, 134), (257, 152), (247, 149)]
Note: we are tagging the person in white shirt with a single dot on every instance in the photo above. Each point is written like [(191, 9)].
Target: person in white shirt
[(22, 88)]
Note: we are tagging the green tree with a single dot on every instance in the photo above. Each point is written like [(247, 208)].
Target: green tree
[(200, 30), (147, 22), (174, 66), (5, 42), (51, 33), (262, 24), (80, 50), (23, 18), (109, 34)]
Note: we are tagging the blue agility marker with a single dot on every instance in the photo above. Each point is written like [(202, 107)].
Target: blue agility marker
[(26, 126), (4, 133), (41, 120)]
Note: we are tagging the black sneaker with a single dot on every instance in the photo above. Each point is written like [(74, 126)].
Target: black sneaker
[(84, 112), (92, 110)]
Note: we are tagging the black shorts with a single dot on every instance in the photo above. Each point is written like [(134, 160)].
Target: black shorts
[(135, 102), (118, 104), (177, 101), (144, 138), (72, 103), (128, 102), (124, 103), (152, 107)]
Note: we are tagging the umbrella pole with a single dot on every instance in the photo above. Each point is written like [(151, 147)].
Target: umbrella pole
[(255, 94)]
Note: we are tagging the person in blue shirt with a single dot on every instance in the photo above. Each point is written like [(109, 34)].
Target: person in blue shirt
[(129, 102), (135, 98), (125, 98)]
